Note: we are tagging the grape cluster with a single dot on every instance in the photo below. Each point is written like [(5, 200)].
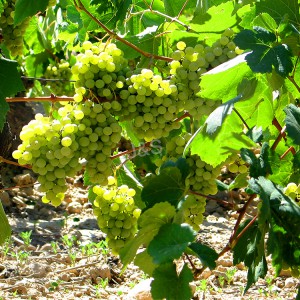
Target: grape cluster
[(152, 103), (101, 71), (192, 210), (237, 165), (54, 146), (293, 191), (12, 35), (189, 63), (116, 213), (202, 175), (61, 72)]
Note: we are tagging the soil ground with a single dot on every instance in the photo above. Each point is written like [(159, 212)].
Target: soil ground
[(66, 256)]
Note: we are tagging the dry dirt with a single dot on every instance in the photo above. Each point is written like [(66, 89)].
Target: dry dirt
[(67, 257)]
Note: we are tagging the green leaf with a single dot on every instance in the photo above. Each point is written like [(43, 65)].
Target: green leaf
[(228, 140), (10, 85), (25, 8), (181, 164), (217, 17), (250, 250), (265, 53), (279, 8), (149, 222), (235, 71), (168, 285), (167, 186), (292, 121), (170, 242), (266, 21), (240, 181), (258, 166), (126, 175), (145, 262), (5, 231), (10, 79), (207, 255), (217, 117)]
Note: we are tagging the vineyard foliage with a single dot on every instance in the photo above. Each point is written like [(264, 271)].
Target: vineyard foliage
[(157, 102)]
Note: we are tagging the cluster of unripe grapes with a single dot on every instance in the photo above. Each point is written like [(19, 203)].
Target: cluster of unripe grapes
[(293, 191), (237, 165), (12, 34), (116, 212), (54, 147), (62, 74), (201, 178), (192, 210), (189, 63)]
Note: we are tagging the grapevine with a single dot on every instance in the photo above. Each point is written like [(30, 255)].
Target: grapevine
[(154, 105)]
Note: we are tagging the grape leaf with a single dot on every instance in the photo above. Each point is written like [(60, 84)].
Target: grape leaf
[(292, 121), (279, 8), (265, 53), (235, 71), (126, 175), (227, 140), (145, 262), (10, 84), (173, 8), (266, 21), (258, 166), (250, 250), (168, 285), (217, 117), (283, 215), (5, 231), (167, 186), (149, 222), (170, 242), (25, 8), (207, 255)]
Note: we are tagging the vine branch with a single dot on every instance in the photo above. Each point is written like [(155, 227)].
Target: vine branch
[(51, 98), (78, 4)]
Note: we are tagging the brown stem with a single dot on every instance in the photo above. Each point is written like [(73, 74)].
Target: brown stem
[(146, 145), (234, 242), (190, 261), (292, 80), (51, 98), (233, 239), (185, 115), (2, 159), (281, 135), (17, 187), (291, 149), (225, 203), (46, 79), (241, 212), (80, 6)]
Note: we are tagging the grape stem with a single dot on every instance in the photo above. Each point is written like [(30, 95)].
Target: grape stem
[(173, 19), (225, 203), (2, 159), (79, 6), (240, 116), (185, 115), (16, 187), (281, 135), (146, 145), (234, 237), (51, 98), (46, 79)]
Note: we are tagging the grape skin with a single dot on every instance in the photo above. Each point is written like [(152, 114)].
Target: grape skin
[(116, 213)]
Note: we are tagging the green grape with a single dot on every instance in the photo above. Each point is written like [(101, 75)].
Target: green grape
[(233, 168), (61, 75), (12, 35), (116, 213), (192, 210)]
